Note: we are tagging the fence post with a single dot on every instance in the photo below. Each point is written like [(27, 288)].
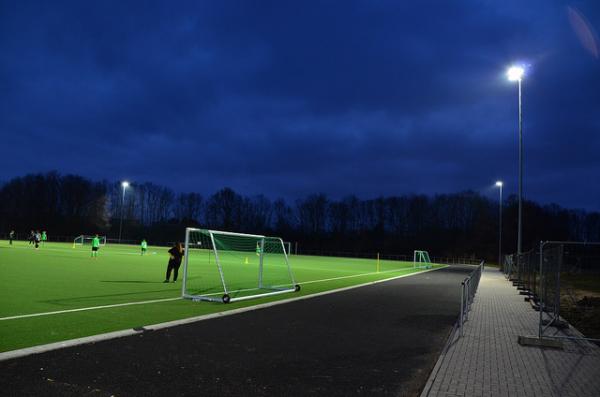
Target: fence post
[(561, 255), (462, 299), (542, 289), (468, 299)]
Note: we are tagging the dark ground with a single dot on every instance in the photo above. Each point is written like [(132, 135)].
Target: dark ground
[(382, 339)]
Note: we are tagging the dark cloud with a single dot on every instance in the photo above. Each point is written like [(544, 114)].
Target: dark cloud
[(291, 98)]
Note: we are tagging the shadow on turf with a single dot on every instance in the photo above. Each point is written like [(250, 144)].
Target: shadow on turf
[(68, 301), (131, 281)]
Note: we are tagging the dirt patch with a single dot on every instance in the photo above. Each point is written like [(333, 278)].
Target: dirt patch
[(581, 308)]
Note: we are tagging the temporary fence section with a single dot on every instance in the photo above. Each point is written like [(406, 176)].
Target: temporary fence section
[(523, 270), (561, 279), (507, 266), (468, 290), (569, 289)]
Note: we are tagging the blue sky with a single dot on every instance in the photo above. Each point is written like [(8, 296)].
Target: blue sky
[(291, 98)]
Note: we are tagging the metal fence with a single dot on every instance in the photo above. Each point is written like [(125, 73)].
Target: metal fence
[(447, 260), (569, 289), (523, 270), (561, 279), (467, 294)]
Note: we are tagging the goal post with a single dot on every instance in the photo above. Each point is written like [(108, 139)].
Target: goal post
[(421, 260), (288, 247), (85, 239), (227, 267)]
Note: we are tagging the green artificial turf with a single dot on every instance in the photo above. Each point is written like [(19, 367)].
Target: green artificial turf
[(58, 277)]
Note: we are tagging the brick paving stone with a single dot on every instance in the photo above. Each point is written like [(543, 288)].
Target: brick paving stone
[(488, 360)]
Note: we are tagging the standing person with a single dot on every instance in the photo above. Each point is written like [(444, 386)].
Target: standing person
[(44, 237), (175, 255), (95, 246), (37, 237), (144, 246), (257, 249), (11, 236), (31, 237)]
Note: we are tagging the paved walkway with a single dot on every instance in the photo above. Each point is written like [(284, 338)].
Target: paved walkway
[(488, 361)]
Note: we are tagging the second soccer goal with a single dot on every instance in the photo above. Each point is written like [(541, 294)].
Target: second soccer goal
[(421, 259), (226, 267), (87, 240)]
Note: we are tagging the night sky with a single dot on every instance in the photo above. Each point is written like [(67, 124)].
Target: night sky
[(291, 98)]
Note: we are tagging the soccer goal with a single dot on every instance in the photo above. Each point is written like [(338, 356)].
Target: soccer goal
[(87, 240), (421, 260), (226, 267)]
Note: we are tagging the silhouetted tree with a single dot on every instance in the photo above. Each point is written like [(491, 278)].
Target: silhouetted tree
[(446, 224)]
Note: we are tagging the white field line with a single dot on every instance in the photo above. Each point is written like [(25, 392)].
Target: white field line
[(81, 309), (129, 332), (354, 275)]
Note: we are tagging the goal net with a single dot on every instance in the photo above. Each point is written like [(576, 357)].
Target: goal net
[(226, 267), (87, 240), (421, 260)]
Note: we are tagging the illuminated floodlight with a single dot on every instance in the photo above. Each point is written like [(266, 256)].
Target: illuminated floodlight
[(125, 184), (499, 183), (515, 73)]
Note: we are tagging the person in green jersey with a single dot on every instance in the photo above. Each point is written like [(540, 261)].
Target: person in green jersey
[(95, 246), (144, 246), (257, 248), (44, 237)]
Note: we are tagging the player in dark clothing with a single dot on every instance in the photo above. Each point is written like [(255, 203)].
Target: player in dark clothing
[(175, 256), (11, 236), (37, 237)]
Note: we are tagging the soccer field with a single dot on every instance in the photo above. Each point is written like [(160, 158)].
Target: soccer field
[(59, 292)]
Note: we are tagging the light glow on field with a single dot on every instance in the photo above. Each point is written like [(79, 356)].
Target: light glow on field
[(59, 292)]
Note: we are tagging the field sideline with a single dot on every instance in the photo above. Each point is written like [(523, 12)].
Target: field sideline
[(59, 293)]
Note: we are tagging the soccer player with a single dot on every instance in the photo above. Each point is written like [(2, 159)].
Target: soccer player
[(257, 249), (44, 237), (11, 236), (175, 255), (144, 246), (31, 237), (95, 246), (37, 237)]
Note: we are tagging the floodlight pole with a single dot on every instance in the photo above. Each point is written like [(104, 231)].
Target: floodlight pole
[(520, 232), (515, 73), (500, 184), (124, 186)]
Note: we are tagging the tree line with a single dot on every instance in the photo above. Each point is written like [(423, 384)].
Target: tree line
[(458, 224)]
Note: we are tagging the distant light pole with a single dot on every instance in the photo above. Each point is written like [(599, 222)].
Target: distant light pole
[(515, 73), (500, 184), (124, 185)]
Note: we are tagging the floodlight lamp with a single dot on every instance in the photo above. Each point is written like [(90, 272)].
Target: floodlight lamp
[(515, 73), (499, 183), (125, 184)]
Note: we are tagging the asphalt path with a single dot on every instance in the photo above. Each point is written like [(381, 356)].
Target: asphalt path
[(382, 339)]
